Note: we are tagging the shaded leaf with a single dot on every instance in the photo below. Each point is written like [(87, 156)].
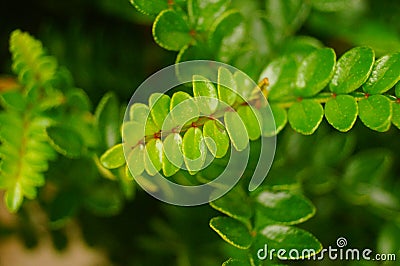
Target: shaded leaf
[(202, 13), (396, 114), (289, 239), (232, 231), (107, 116), (65, 141)]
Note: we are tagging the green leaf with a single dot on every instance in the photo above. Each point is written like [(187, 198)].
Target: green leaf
[(153, 7), (376, 112), (171, 30), (226, 86), (132, 133), (194, 149), (232, 231), (282, 207), (13, 99), (203, 13), (287, 16), (63, 207), (234, 204), (203, 88), (397, 90), (305, 116), (385, 74), (159, 108), (315, 72), (352, 70), (251, 120), (216, 138), (153, 156), (341, 112), (105, 200), (184, 109), (236, 130), (280, 73), (113, 157), (280, 118), (227, 35), (236, 262), (13, 198), (289, 238), (139, 112), (396, 113), (172, 156), (135, 160), (107, 116), (65, 141)]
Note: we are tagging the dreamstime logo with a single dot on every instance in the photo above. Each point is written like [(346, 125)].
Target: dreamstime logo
[(332, 253), (180, 75)]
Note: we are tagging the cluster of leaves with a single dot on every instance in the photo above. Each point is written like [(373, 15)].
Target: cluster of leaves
[(46, 115), (265, 217)]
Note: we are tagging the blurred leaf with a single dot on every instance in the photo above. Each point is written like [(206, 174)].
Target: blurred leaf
[(155, 6), (396, 114), (281, 207), (104, 200), (341, 112), (331, 5), (389, 239), (203, 88), (13, 99), (385, 74), (216, 138), (203, 13), (139, 112), (62, 208), (397, 90), (13, 198), (315, 72), (352, 70), (305, 116), (287, 16), (236, 262), (108, 120), (226, 86), (232, 231), (236, 130), (234, 204), (113, 157), (289, 238), (66, 141), (171, 30), (244, 85), (376, 112), (227, 35), (194, 149)]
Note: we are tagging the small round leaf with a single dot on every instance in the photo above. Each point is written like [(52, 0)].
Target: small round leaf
[(216, 138), (153, 156), (252, 121), (226, 86), (305, 116), (194, 149), (113, 157), (341, 112), (172, 156), (203, 88), (376, 112), (65, 140), (232, 231), (236, 130)]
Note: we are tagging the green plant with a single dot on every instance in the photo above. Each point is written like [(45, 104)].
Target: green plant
[(47, 115)]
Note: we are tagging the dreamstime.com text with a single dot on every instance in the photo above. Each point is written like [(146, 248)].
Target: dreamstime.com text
[(331, 253)]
